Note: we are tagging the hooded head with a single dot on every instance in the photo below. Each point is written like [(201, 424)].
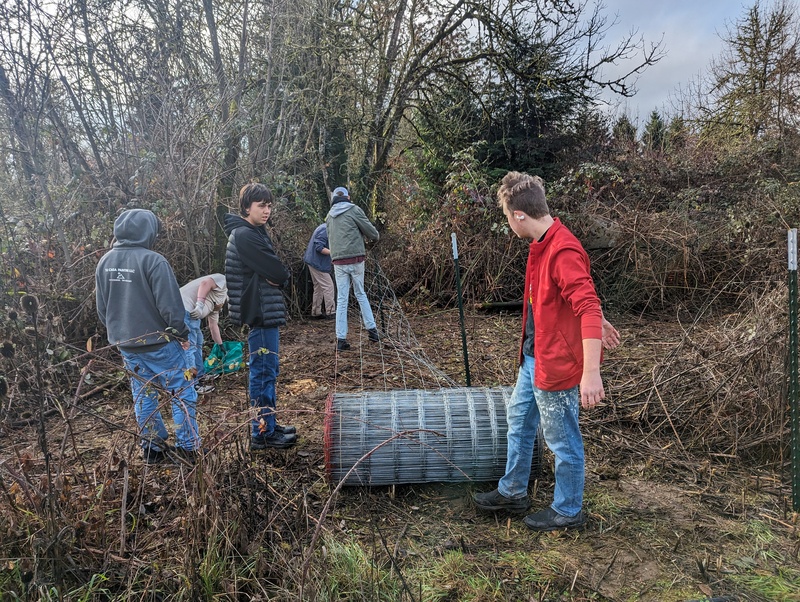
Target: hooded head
[(136, 228), (340, 194)]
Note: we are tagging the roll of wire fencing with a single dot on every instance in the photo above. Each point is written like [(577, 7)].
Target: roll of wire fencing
[(418, 436)]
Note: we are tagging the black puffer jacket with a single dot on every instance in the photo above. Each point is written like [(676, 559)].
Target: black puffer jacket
[(254, 274)]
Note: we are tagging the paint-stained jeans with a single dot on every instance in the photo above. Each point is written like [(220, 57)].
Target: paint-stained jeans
[(195, 352), (262, 344), (163, 369), (345, 274), (557, 411)]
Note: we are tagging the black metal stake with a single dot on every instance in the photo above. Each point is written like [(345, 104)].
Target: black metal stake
[(794, 386)]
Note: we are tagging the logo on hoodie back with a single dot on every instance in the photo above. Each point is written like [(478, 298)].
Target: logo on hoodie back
[(121, 274)]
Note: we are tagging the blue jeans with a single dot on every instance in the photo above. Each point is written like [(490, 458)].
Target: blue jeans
[(558, 413), (162, 369), (262, 345), (345, 274), (194, 355)]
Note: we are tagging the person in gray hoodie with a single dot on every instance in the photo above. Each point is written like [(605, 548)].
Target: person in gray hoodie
[(139, 303), (347, 226)]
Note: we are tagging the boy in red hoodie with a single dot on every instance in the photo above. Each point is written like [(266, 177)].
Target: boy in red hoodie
[(563, 332)]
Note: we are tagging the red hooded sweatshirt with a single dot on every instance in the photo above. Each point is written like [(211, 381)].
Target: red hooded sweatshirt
[(566, 308)]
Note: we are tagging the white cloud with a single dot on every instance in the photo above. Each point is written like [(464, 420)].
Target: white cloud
[(691, 39)]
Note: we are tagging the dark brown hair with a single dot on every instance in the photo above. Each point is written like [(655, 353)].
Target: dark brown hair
[(253, 193)]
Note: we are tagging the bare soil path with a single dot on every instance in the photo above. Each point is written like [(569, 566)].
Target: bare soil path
[(664, 525)]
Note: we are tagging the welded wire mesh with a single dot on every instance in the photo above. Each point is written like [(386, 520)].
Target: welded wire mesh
[(416, 436), (398, 361)]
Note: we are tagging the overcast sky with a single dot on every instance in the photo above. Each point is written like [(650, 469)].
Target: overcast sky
[(691, 38)]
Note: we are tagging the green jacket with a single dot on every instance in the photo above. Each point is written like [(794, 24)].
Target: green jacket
[(347, 227)]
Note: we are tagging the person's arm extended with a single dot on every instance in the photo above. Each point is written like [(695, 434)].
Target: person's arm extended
[(206, 286), (321, 244), (213, 327), (366, 227), (591, 382)]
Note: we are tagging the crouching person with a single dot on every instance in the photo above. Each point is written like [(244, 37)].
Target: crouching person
[(203, 297)]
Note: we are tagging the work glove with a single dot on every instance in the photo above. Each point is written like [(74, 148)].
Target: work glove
[(199, 308)]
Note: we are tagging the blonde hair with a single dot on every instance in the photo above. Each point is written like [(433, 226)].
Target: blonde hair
[(522, 192)]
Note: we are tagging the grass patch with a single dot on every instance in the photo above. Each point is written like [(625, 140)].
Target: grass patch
[(780, 586), (348, 572)]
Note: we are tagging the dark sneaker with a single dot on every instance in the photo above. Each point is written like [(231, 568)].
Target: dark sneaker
[(189, 456), (329, 316), (550, 520), (152, 456), (342, 345), (495, 501), (286, 429), (274, 441), (373, 335)]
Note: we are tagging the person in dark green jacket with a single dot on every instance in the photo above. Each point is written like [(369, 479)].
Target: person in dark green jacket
[(347, 227)]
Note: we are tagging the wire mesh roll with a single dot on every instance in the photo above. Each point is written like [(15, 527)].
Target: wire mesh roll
[(416, 436)]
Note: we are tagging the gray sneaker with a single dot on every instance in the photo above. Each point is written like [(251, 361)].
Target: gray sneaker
[(495, 501), (550, 520)]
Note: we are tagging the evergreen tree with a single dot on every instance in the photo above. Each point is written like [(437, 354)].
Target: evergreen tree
[(623, 134), (655, 132), (755, 84)]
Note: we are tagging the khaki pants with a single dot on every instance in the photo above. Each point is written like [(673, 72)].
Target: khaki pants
[(323, 290)]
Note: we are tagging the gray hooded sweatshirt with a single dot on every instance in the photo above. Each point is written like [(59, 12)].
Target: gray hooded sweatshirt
[(138, 299)]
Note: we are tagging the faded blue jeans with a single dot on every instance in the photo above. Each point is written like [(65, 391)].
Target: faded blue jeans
[(558, 413), (345, 274), (195, 352), (262, 344), (162, 369)]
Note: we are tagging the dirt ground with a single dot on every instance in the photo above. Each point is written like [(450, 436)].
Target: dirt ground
[(664, 525)]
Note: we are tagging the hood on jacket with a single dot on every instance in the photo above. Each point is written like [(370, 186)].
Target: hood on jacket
[(233, 221), (340, 207), (136, 228)]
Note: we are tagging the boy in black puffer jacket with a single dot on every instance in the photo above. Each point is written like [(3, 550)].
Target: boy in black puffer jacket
[(255, 277)]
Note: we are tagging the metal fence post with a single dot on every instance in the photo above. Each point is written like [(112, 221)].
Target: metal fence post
[(793, 377), (461, 308)]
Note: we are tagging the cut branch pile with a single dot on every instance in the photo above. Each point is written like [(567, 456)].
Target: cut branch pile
[(717, 386)]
